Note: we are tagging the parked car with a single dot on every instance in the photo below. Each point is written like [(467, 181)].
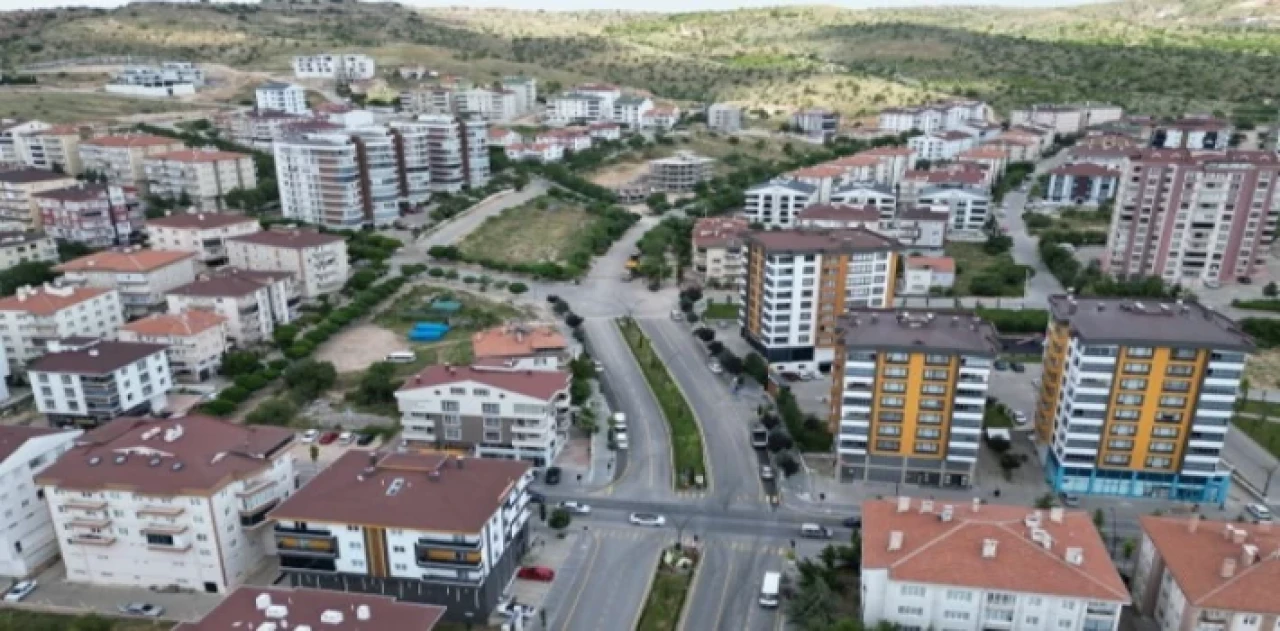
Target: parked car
[(598, 366), (1020, 417), (1244, 280), (577, 508), (814, 531), (537, 497), (853, 522), (1259, 512), (766, 472), (142, 609), (1017, 367), (512, 610), (310, 436), (553, 476), (328, 438), (790, 376), (346, 438), (715, 367), (647, 519), (1001, 365), (366, 439), (808, 375), (536, 573), (20, 591)]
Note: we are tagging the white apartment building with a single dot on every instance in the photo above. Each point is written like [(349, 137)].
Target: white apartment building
[(629, 110), (11, 133), (342, 67), (1066, 119), (604, 131), (539, 152), (318, 262), (1007, 567), (494, 106), (818, 123), (680, 173), (921, 227), (724, 117), (941, 145), (122, 158), (22, 247), (967, 206), (874, 194), (587, 103), (171, 78), (19, 201), (32, 317), (87, 382), (1197, 133), (719, 250), (258, 129), (457, 151), (922, 274), (178, 502), (429, 100), (526, 91), (932, 118), (521, 346), (28, 544), (51, 148), (204, 234), (775, 204), (490, 412), (203, 175), (259, 607), (372, 523), (316, 175), (142, 277), (277, 96), (196, 340), (252, 303)]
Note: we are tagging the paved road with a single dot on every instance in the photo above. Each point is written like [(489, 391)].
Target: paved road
[(1025, 246), (607, 573), (1253, 462), (729, 580)]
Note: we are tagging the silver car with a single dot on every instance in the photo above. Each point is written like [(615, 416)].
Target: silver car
[(142, 609)]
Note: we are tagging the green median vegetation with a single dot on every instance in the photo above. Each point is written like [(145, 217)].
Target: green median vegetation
[(20, 620), (667, 594), (686, 436)]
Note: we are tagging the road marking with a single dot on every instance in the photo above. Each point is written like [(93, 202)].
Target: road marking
[(586, 578), (693, 591), (724, 594)]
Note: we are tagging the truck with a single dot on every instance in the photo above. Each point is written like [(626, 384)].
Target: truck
[(759, 436), (769, 590)]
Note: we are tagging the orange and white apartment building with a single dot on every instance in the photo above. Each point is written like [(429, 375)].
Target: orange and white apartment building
[(142, 277), (197, 340), (122, 158)]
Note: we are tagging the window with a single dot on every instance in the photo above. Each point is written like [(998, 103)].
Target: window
[(1164, 432), (1124, 430), (888, 445), (894, 371), (929, 433), (889, 430), (937, 360), (893, 386), (1133, 384), (913, 590), (456, 390), (935, 375), (1134, 368), (896, 358), (955, 615), (910, 611), (1116, 459), (892, 402), (1126, 415), (1141, 351), (933, 389), (1120, 445), (926, 448), (453, 433), (1129, 399), (1159, 463), (1173, 401), (1179, 371), (959, 595), (450, 406), (492, 437), (1162, 447), (489, 408)]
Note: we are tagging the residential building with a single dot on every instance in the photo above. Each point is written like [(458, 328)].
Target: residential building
[(503, 137), (629, 110), (968, 207), (867, 193), (724, 118), (576, 107), (203, 176), (1197, 133), (341, 67), (32, 317), (719, 249), (277, 96), (317, 261), (142, 277), (171, 78), (86, 382), (252, 303), (604, 131), (318, 178), (457, 151), (19, 209), (981, 130), (29, 544), (661, 118), (1137, 396), (1198, 574), (196, 340), (258, 129), (12, 134), (1194, 219), (494, 106), (941, 145), (1082, 184), (263, 607), (799, 281), (681, 172), (1067, 120), (96, 215), (1018, 147), (608, 94), (526, 90), (957, 174), (23, 247), (433, 99), (203, 234), (840, 216), (179, 502), (990, 160), (931, 565), (923, 275), (922, 227), (817, 123), (776, 203), (122, 158), (908, 393), (55, 148), (538, 152), (932, 118), (520, 346), (857, 168), (892, 163), (375, 523), (570, 138), (1109, 157), (487, 412), (1043, 136)]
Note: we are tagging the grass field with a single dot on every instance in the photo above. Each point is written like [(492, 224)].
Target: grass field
[(666, 598), (721, 311), (69, 107), (478, 312), (527, 233), (1263, 369), (972, 262), (15, 620), (1264, 432)]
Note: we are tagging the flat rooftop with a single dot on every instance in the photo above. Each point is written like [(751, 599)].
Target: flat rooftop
[(1150, 322), (945, 332)]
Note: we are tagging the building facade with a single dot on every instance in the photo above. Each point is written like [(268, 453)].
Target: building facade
[(122, 158), (33, 317), (968, 207), (817, 123), (1082, 184), (521, 346), (19, 201), (53, 149), (24, 247), (203, 176), (204, 234), (339, 66), (719, 251), (29, 544), (261, 607), (142, 277), (776, 204), (724, 117), (680, 173), (87, 382), (96, 215), (276, 96), (252, 303), (196, 340), (318, 262)]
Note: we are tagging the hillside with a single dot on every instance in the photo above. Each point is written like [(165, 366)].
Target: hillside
[(1154, 56)]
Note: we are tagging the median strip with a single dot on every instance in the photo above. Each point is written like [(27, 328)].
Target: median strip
[(686, 436), (665, 601)]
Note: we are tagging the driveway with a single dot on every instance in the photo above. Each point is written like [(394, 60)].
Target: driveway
[(1025, 246)]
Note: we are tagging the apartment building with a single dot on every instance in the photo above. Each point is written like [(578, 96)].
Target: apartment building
[(989, 160), (892, 163), (526, 90), (341, 67), (503, 137), (956, 174), (968, 207), (494, 106), (19, 209), (122, 158), (1066, 120), (277, 96), (1020, 148), (204, 176), (1136, 397), (318, 262), (578, 107), (724, 117), (718, 251), (170, 78), (204, 234), (1082, 184), (681, 172), (1194, 219), (86, 382), (485, 411), (142, 277), (263, 607), (521, 346), (196, 340), (932, 565), (372, 523), (1194, 573), (662, 118), (908, 393), (776, 203), (96, 215), (922, 227), (569, 138), (921, 275), (799, 281), (178, 502), (317, 174), (32, 317), (867, 193), (840, 216), (817, 123), (941, 145), (538, 152), (258, 129), (604, 131), (629, 110), (457, 151), (252, 303), (12, 132), (52, 149), (433, 99), (24, 247), (932, 118), (29, 544), (1197, 133)]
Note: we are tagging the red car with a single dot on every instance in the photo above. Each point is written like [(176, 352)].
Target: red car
[(537, 573), (328, 437)]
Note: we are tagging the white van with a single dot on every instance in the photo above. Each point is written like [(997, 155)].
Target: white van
[(814, 531), (769, 590), (620, 421), (402, 357)]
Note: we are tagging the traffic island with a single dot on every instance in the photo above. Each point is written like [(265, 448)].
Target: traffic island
[(664, 604)]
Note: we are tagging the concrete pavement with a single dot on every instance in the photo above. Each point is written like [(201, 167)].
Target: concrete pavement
[(608, 574), (1026, 247)]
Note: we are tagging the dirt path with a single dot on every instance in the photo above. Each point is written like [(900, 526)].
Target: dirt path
[(360, 346)]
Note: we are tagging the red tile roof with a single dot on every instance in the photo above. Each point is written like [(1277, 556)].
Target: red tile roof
[(186, 323), (823, 240), (122, 261), (715, 231), (228, 282), (45, 301), (132, 140), (1085, 169), (840, 212), (516, 340), (532, 383), (294, 239), (200, 220), (13, 437), (305, 607), (1195, 559), (27, 176), (78, 193), (95, 357), (943, 264)]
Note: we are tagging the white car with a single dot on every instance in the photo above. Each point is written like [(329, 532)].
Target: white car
[(647, 519), (1019, 417), (577, 508), (20, 591), (1260, 513), (715, 367), (310, 436), (346, 438), (808, 375)]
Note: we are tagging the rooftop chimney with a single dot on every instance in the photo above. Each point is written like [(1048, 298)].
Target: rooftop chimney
[(895, 540), (1248, 554), (1193, 524), (1075, 556), (926, 506), (989, 548), (1055, 514), (904, 504), (977, 504), (1239, 536), (1228, 568)]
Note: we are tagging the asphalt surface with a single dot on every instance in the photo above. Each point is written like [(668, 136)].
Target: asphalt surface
[(607, 573), (1025, 246)]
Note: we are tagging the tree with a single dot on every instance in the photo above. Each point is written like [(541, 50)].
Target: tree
[(274, 411), (731, 363), (309, 378), (1099, 518), (787, 463), (27, 273), (361, 280), (779, 441), (377, 385), (1270, 290), (517, 288), (756, 367), (705, 334), (68, 250), (284, 334), (315, 452), (238, 363), (573, 320), (560, 519)]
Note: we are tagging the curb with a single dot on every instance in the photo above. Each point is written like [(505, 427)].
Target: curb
[(702, 435), (693, 590), (648, 589)]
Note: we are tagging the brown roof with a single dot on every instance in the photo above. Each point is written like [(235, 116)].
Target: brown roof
[(972, 177), (887, 151), (944, 264), (211, 452), (857, 160), (43, 301), (438, 492), (954, 135), (199, 155), (132, 140), (1085, 169), (296, 239), (229, 281), (96, 358), (200, 220), (819, 171), (27, 176), (951, 552), (1148, 322), (984, 153), (77, 193), (305, 606), (13, 437), (122, 261), (840, 212), (1195, 560), (922, 213), (714, 231), (191, 322), (822, 240), (539, 384), (517, 341)]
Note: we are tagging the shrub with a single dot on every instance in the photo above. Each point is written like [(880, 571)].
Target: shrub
[(560, 519), (705, 334), (573, 320), (218, 407), (715, 347), (787, 463), (517, 288), (251, 383), (234, 394)]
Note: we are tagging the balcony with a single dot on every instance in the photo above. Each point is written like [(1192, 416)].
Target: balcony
[(89, 521), (257, 516), (307, 546), (92, 539), (456, 542), (86, 505), (450, 559)]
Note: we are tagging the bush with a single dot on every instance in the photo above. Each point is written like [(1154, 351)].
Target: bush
[(704, 334), (218, 407), (715, 347), (275, 411), (234, 394), (787, 463), (252, 383), (779, 441), (517, 288), (560, 519), (1265, 331), (1016, 320), (756, 367), (573, 320)]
